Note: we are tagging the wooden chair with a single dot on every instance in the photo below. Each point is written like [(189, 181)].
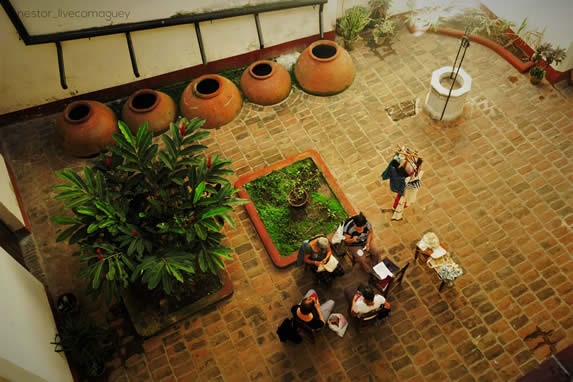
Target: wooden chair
[(311, 332), (386, 284), (365, 319)]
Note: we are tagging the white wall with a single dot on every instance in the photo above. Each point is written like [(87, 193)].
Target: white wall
[(26, 328), (555, 16), (30, 73), (10, 212)]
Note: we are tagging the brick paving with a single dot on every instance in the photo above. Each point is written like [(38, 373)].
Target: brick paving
[(497, 190)]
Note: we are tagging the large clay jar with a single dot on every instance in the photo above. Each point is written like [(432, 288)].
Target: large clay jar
[(324, 68), (213, 98), (266, 82), (157, 108), (86, 127)]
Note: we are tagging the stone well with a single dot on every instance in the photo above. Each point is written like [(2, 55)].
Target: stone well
[(438, 94)]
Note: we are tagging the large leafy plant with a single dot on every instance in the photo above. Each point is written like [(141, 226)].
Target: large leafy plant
[(149, 215)]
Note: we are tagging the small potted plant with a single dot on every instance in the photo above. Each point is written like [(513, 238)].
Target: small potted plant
[(384, 31), (550, 55), (351, 24), (298, 196), (378, 10), (85, 343)]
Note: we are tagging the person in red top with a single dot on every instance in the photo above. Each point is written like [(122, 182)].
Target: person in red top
[(310, 312)]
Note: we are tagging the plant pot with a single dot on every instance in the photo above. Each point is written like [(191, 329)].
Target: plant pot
[(95, 369), (213, 98), (324, 68), (86, 127), (265, 82), (535, 80), (151, 313), (297, 201), (157, 108), (67, 303), (350, 44)]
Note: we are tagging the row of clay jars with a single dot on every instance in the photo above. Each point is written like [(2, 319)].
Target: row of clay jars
[(323, 68)]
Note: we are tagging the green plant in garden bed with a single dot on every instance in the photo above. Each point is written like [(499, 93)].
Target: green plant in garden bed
[(147, 215), (286, 226)]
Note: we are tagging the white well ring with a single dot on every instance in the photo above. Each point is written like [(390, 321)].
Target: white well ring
[(438, 94)]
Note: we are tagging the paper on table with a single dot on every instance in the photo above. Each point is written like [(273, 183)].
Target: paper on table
[(382, 271), (438, 252)]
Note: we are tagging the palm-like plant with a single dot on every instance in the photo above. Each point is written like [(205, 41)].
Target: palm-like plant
[(549, 54), (353, 22), (150, 215)]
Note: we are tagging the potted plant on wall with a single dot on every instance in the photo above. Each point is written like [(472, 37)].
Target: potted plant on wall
[(146, 218), (544, 53), (351, 24)]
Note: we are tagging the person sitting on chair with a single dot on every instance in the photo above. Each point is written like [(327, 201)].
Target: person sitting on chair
[(358, 236), (363, 301), (317, 252), (311, 312)]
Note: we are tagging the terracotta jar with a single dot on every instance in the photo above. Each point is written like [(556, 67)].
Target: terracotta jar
[(86, 127), (324, 68), (266, 82), (212, 97), (157, 108)]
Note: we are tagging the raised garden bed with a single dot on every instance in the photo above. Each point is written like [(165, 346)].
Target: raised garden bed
[(281, 227), (508, 45), (151, 312)]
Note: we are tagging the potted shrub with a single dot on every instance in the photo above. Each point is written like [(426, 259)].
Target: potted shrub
[(84, 343), (536, 74), (384, 31), (149, 218), (379, 9), (351, 24), (298, 196), (545, 53)]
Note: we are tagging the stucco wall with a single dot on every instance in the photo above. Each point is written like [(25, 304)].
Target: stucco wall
[(30, 73), (26, 328), (10, 212), (552, 15)]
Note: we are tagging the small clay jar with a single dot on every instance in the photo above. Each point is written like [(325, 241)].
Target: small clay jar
[(266, 83), (155, 107), (86, 127), (213, 98), (324, 68)]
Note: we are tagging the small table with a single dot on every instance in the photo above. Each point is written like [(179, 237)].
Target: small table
[(440, 261)]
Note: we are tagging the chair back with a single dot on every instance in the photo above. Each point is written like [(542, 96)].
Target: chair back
[(386, 284), (305, 327)]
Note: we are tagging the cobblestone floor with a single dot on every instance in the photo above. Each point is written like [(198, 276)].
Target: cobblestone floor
[(497, 190)]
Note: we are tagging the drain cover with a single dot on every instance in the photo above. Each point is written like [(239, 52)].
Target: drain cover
[(402, 110)]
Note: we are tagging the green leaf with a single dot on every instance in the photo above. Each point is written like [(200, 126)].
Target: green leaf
[(65, 220), (170, 146), (86, 211), (127, 134), (69, 175), (141, 133), (77, 202), (69, 195), (98, 273), (92, 228), (65, 187), (215, 212), (198, 192), (166, 160), (89, 174), (66, 233)]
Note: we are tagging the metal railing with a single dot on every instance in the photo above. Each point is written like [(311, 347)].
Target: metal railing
[(127, 28)]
